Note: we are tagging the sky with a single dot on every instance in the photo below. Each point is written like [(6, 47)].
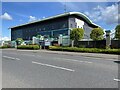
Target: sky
[(104, 14)]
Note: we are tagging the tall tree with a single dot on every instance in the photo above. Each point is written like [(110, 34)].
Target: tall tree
[(117, 32), (97, 34), (19, 41), (38, 36), (76, 34)]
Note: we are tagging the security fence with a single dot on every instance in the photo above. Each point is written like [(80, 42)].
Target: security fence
[(98, 44)]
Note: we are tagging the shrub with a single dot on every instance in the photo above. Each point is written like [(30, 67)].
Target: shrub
[(97, 34), (29, 47), (5, 46), (76, 34), (81, 46), (88, 50), (117, 32)]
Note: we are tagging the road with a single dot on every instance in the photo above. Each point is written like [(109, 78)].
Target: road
[(30, 69)]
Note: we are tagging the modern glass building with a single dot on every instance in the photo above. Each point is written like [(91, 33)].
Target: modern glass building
[(54, 26)]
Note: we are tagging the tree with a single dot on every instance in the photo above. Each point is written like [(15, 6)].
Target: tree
[(97, 34), (76, 34), (38, 36), (117, 32), (19, 41)]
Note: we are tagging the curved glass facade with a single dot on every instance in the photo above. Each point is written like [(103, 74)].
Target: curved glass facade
[(50, 28)]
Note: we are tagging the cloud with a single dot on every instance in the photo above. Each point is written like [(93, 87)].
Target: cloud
[(32, 18), (107, 14), (70, 6), (43, 17), (6, 16), (110, 14), (5, 38)]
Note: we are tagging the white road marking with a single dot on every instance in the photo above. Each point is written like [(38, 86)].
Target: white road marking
[(118, 80), (8, 57), (11, 58), (87, 62), (79, 61), (25, 54), (17, 59), (75, 60), (48, 65)]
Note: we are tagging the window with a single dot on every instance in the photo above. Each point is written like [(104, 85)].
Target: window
[(39, 29), (75, 26), (71, 26), (52, 27), (36, 30), (64, 26), (43, 28), (74, 19)]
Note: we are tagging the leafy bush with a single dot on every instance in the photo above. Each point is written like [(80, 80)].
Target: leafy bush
[(29, 47), (97, 34), (76, 34), (81, 46), (88, 50), (5, 46), (19, 41), (117, 32)]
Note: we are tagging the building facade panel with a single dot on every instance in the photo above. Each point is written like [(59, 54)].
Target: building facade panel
[(16, 34), (50, 27), (72, 23), (87, 31)]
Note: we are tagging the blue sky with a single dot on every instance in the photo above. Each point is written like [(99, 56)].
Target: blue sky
[(105, 14)]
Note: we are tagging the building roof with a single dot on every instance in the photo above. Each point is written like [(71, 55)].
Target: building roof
[(88, 21)]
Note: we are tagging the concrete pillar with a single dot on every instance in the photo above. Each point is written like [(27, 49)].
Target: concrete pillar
[(52, 33), (33, 40), (108, 39), (60, 40)]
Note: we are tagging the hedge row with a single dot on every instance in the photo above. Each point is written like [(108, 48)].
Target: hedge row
[(5, 46), (88, 50), (28, 47)]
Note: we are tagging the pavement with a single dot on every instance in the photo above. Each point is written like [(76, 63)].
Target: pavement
[(55, 69)]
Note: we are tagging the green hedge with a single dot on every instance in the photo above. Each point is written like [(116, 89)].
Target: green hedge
[(29, 47), (88, 50), (5, 46)]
